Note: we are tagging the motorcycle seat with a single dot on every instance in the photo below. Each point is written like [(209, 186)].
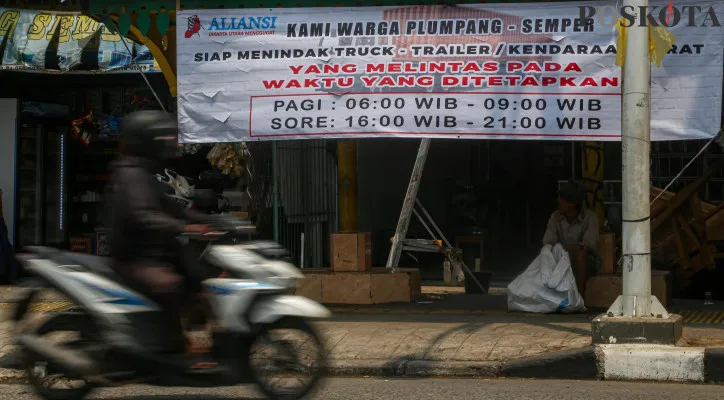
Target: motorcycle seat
[(96, 264)]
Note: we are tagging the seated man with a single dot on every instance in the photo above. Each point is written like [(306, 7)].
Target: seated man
[(575, 228)]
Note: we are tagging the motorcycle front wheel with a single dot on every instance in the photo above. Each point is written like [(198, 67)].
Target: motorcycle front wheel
[(288, 359)]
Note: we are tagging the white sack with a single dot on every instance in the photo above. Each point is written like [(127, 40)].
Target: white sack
[(547, 285)]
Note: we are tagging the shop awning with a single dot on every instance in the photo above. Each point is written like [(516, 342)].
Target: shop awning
[(66, 42)]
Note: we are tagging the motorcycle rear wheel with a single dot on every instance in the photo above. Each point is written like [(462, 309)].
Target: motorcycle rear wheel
[(37, 371), (267, 366)]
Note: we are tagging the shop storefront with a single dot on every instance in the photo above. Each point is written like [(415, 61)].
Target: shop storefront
[(501, 190), (66, 83), (65, 139), (59, 155)]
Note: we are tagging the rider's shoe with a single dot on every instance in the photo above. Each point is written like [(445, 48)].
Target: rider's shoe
[(200, 356)]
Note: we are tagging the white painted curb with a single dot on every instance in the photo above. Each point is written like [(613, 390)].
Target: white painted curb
[(651, 363)]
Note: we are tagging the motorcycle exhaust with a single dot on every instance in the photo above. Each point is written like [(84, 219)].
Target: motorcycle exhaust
[(69, 362)]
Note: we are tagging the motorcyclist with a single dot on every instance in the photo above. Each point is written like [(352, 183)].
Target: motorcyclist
[(145, 223)]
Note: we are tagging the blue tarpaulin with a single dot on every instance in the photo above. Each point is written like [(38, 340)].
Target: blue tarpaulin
[(47, 41)]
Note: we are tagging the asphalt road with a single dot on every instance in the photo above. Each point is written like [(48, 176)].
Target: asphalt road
[(358, 389)]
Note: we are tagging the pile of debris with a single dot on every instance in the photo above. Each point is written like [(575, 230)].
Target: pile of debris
[(687, 234)]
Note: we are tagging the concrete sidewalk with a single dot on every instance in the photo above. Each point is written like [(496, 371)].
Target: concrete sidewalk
[(404, 344), (423, 339), (362, 344)]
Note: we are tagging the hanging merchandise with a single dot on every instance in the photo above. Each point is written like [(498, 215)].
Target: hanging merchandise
[(228, 158), (189, 148), (244, 157), (139, 99), (107, 126), (179, 188), (83, 128)]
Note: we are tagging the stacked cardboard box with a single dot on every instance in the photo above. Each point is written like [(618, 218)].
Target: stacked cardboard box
[(351, 252), (352, 279), (603, 290)]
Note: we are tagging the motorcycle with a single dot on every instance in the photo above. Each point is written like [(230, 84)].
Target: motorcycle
[(111, 337)]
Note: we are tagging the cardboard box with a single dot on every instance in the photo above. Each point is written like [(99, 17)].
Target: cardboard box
[(391, 288), (607, 250), (347, 288), (407, 290), (662, 286), (310, 287), (80, 245), (351, 252), (603, 290), (415, 282), (374, 287)]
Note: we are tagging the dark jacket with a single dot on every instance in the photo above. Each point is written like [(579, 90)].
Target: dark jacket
[(144, 222)]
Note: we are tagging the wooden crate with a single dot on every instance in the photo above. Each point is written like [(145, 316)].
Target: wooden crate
[(351, 252), (391, 288), (374, 287), (412, 286), (347, 288), (310, 287), (602, 290)]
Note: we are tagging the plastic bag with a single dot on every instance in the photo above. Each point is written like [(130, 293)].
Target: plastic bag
[(547, 285)]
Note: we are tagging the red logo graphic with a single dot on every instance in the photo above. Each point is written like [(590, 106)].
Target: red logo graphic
[(193, 27), (669, 12)]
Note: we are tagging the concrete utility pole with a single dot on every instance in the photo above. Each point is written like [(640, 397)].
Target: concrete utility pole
[(635, 144), (636, 316)]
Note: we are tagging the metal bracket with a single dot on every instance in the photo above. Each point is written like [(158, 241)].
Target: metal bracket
[(657, 309)]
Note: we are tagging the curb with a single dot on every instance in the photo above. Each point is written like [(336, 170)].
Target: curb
[(607, 362), (461, 369), (414, 368), (365, 368), (714, 365), (654, 363), (570, 364), (565, 364)]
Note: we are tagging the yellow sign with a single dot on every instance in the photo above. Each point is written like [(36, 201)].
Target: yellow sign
[(77, 26), (660, 42)]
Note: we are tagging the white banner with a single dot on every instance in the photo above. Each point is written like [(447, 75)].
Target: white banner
[(533, 71)]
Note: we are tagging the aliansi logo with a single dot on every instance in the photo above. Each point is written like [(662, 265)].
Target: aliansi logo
[(251, 25), (193, 26)]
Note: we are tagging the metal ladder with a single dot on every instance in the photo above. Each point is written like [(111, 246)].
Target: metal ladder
[(401, 243)]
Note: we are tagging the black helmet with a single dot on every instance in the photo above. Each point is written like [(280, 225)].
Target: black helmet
[(150, 134)]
